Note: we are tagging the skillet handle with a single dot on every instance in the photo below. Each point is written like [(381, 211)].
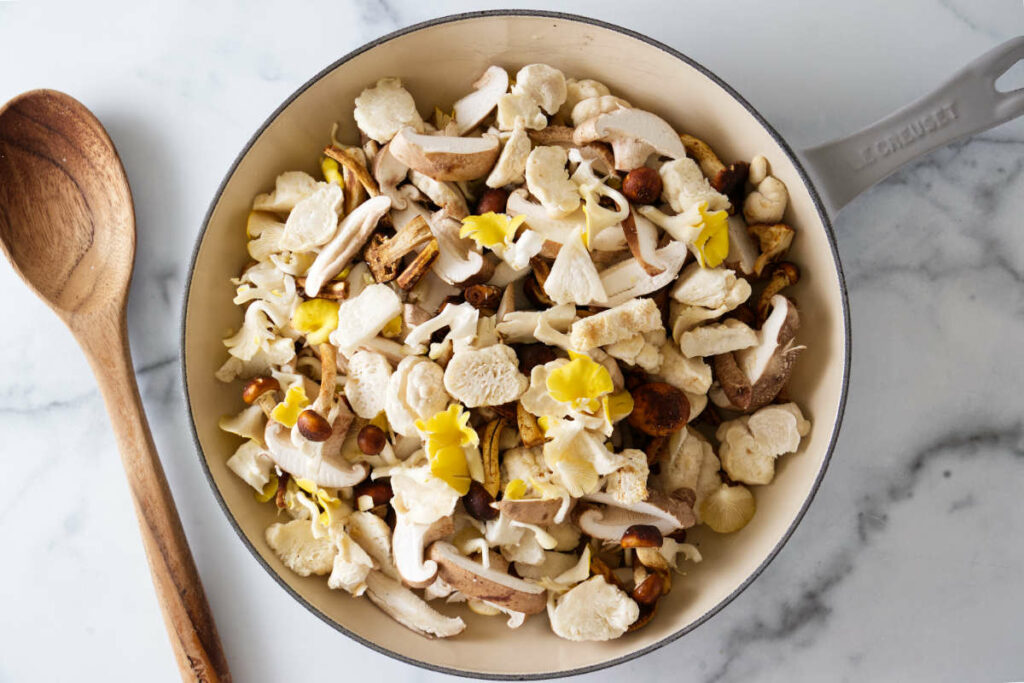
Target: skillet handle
[(965, 104)]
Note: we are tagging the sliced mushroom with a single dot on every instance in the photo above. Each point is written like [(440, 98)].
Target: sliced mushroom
[(408, 543), (743, 252), (667, 513), (408, 609), (458, 262), (383, 257), (445, 195), (554, 229), (752, 377), (634, 135), (329, 469), (774, 240), (642, 239), (533, 510), (353, 160), (723, 178), (389, 172), (486, 583), (443, 157), (475, 107), (627, 279), (352, 233)]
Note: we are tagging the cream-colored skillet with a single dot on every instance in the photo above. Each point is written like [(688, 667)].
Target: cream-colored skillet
[(437, 61)]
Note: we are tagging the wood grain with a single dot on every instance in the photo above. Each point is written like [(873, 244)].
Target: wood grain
[(67, 224)]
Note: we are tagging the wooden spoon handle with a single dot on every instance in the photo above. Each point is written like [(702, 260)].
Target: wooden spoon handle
[(180, 593)]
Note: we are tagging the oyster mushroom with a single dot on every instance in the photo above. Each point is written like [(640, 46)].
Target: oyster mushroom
[(667, 513), (352, 233), (458, 261), (408, 609), (474, 580), (329, 469), (752, 377), (634, 135), (408, 542), (477, 105), (444, 157)]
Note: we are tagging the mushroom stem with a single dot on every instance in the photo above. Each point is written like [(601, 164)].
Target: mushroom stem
[(357, 168), (419, 266), (382, 257), (328, 375)]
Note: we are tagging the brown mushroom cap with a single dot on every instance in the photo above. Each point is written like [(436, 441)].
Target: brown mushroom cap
[(483, 583), (532, 511), (666, 513), (444, 157)]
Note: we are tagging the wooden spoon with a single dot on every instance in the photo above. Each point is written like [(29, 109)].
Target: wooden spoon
[(68, 226)]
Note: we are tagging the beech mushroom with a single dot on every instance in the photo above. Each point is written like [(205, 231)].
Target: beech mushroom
[(329, 469), (473, 108), (723, 178), (443, 157), (753, 377), (486, 583), (634, 135)]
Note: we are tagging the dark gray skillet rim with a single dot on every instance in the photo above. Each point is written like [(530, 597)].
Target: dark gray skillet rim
[(822, 215)]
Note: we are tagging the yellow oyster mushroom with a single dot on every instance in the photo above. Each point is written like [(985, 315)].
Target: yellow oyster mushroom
[(617, 406), (491, 229), (447, 432), (332, 172), (393, 327), (269, 491), (580, 382), (316, 318), (712, 243), (287, 411), (515, 490)]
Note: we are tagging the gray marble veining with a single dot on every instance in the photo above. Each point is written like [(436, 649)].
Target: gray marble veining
[(908, 564)]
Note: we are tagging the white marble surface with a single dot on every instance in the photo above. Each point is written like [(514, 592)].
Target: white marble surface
[(908, 565)]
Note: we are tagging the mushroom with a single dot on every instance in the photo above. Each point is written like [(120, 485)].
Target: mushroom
[(784, 274), (511, 165), (574, 277), (415, 392), (384, 109), (485, 377), (717, 338), (750, 444), (419, 266), (627, 279), (595, 610), (458, 262), (444, 195), (540, 512), (384, 256), (684, 186), (360, 319), (667, 513), (578, 90), (408, 609), (353, 160), (752, 377), (554, 229), (642, 238), (389, 172), (474, 580), (261, 391), (444, 157), (473, 108), (634, 135), (352, 233), (548, 180), (596, 105), (774, 241), (329, 469), (767, 203), (544, 84), (408, 542), (367, 383), (723, 178), (615, 324), (742, 251)]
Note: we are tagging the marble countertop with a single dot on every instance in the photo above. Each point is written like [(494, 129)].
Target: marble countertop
[(908, 564)]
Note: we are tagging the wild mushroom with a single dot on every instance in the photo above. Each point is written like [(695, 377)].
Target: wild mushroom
[(408, 543), (261, 391), (750, 444), (784, 274), (366, 383), (415, 392), (767, 203), (634, 135), (667, 513), (486, 583), (594, 610), (684, 186), (443, 157), (386, 108), (540, 512), (544, 84), (384, 256), (743, 252), (299, 549), (573, 277), (752, 377), (389, 173), (555, 229), (774, 241), (577, 90), (659, 409), (589, 107), (473, 108), (723, 178), (548, 181), (419, 266), (353, 231), (361, 318), (627, 280), (459, 261), (354, 161), (615, 324), (408, 609), (329, 469), (716, 339), (485, 377), (444, 195), (510, 168)]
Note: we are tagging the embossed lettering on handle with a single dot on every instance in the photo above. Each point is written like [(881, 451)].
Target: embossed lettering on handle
[(967, 103)]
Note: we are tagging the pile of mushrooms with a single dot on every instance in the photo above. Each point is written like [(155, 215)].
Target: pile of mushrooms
[(511, 354)]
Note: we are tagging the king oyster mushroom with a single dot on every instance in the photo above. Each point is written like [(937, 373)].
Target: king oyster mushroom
[(752, 377), (634, 135), (474, 580)]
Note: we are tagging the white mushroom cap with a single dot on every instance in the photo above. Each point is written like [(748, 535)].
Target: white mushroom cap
[(473, 108), (634, 135), (408, 543), (485, 377), (366, 383), (542, 83), (386, 108), (444, 157)]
